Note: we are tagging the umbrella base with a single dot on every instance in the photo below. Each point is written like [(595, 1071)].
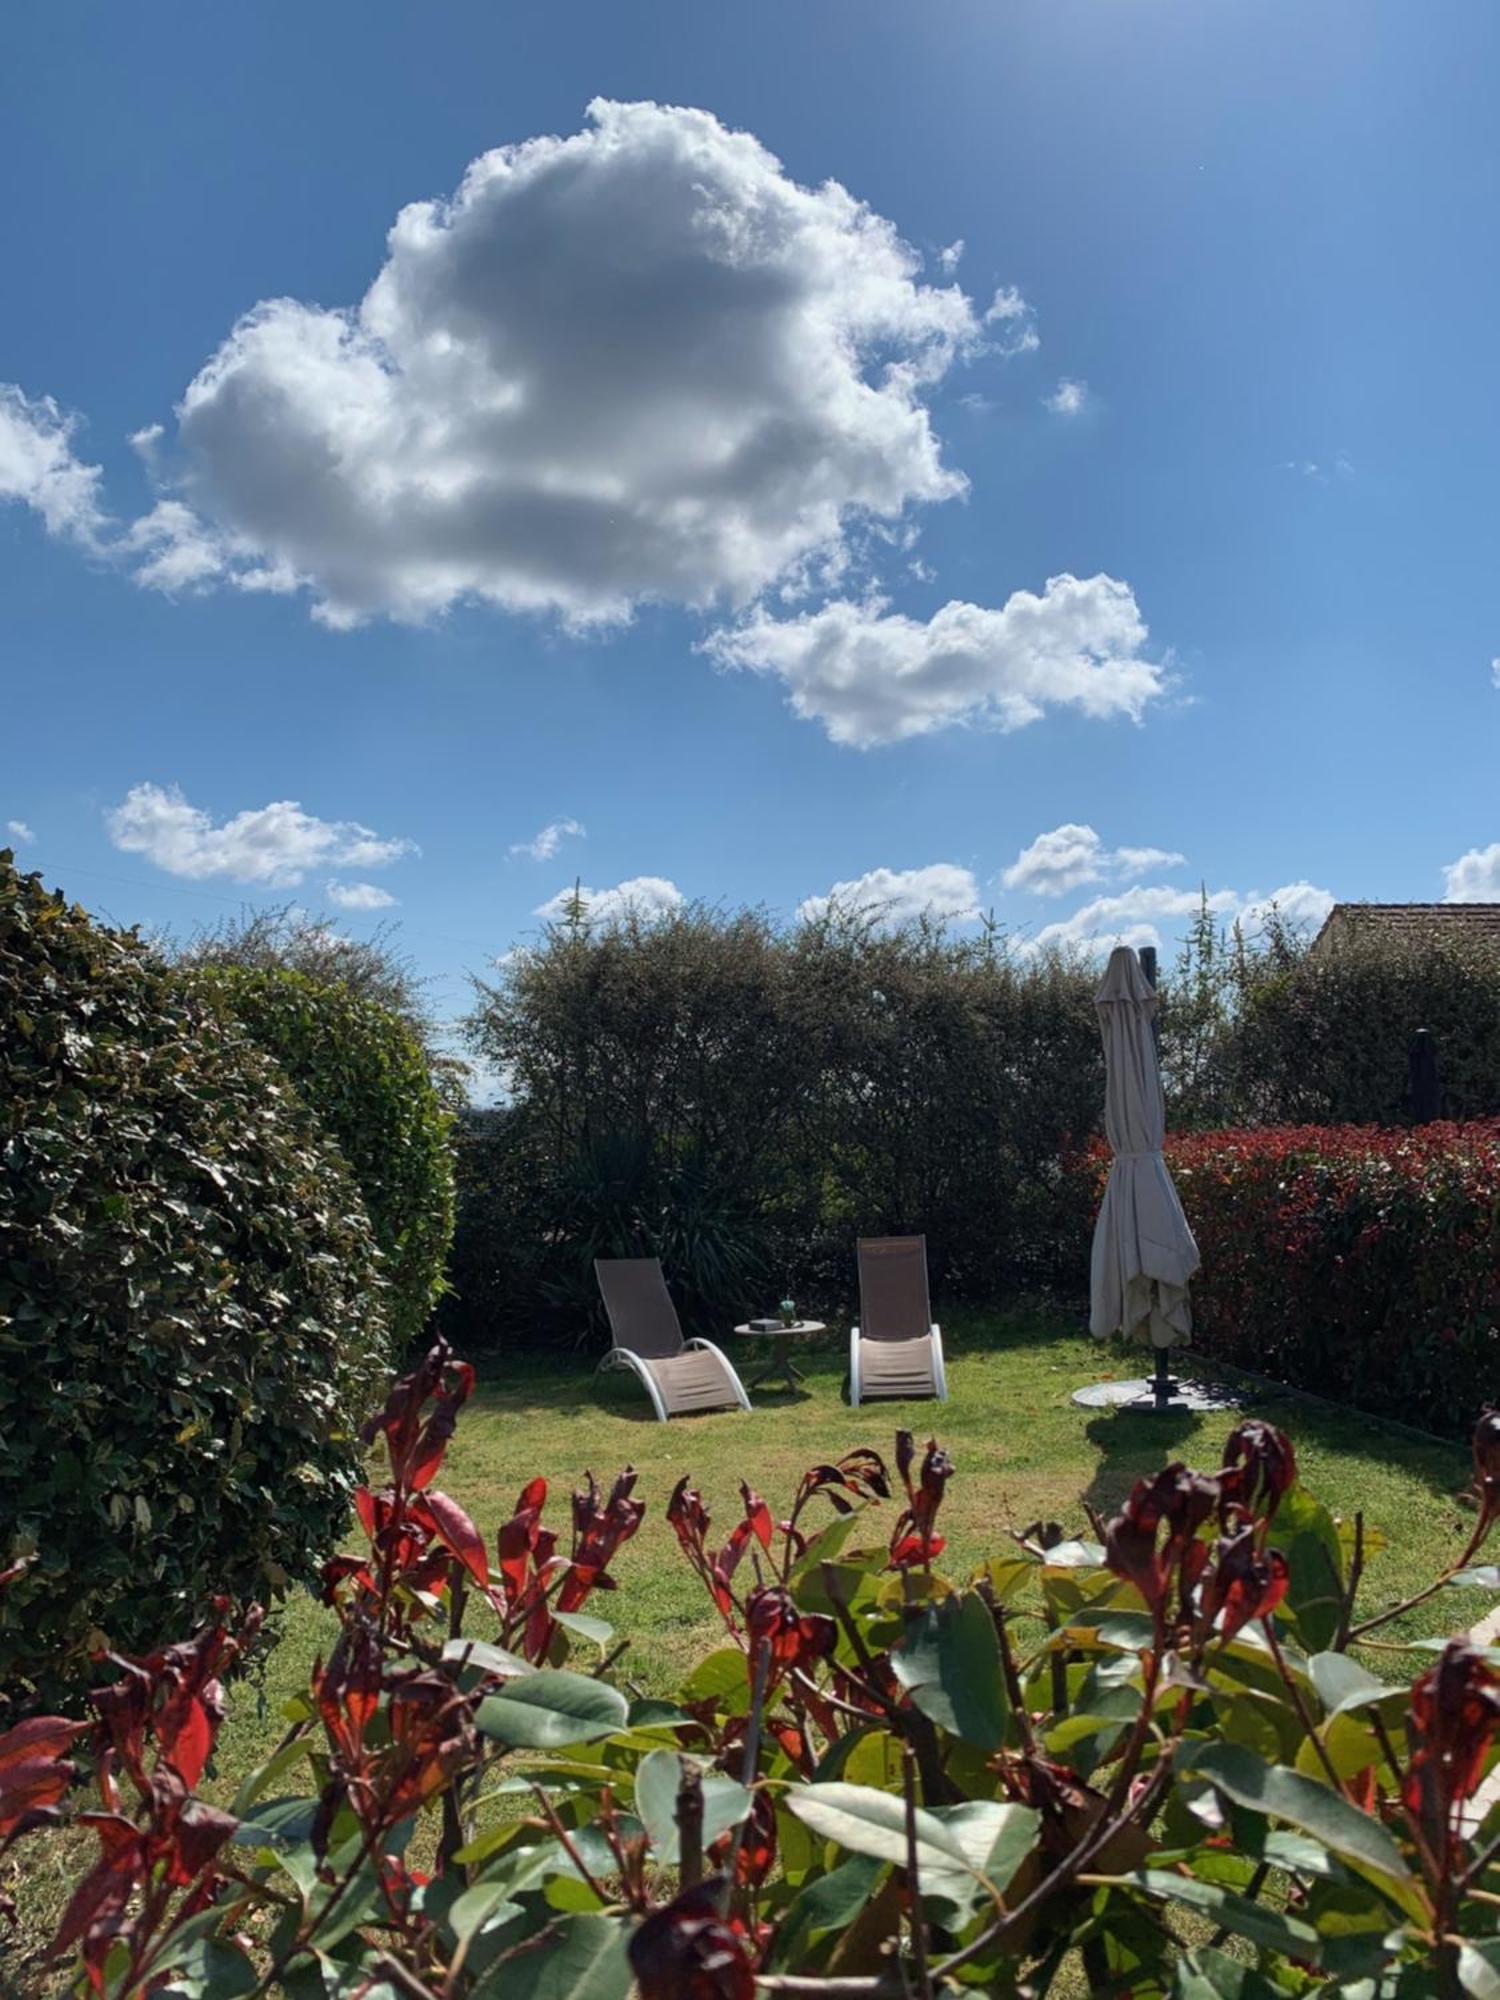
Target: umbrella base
[(1153, 1395)]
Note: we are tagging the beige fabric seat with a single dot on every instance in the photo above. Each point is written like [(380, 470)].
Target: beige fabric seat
[(680, 1375), (897, 1348)]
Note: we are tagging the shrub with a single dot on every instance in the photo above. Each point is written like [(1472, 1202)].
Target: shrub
[(1360, 1264), (362, 1072), (744, 1100), (883, 1782), (1322, 1037), (1271, 1032), (190, 1304)]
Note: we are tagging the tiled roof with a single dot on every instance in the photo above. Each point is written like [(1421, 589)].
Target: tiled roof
[(1415, 919)]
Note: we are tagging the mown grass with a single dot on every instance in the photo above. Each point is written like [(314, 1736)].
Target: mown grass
[(1023, 1452)]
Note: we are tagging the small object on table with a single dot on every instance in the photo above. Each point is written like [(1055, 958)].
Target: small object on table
[(779, 1337), (788, 1312)]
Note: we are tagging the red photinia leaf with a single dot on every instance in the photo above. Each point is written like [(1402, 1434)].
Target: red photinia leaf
[(912, 1551), (1260, 1467), (1177, 1499), (365, 1508), (453, 1528), (1455, 1714), (758, 1515), (347, 1691), (912, 1538), (599, 1529), (1248, 1582), (687, 1951), (757, 1850), (415, 1440), (174, 1696), (187, 1745), (905, 1455), (35, 1771), (517, 1540), (794, 1640), (96, 1911)]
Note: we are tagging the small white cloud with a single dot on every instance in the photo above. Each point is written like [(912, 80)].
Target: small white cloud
[(274, 845), (1143, 914), (1069, 399), (19, 832), (871, 676), (1474, 877), (1012, 323), (1132, 917), (951, 255), (550, 839), (1071, 855), (1495, 670), (145, 442), (896, 896), (643, 896), (1321, 471), (39, 469), (1301, 904), (360, 896)]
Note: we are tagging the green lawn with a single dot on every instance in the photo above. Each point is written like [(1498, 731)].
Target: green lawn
[(1022, 1451)]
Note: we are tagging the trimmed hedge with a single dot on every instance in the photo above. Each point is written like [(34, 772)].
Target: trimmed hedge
[(744, 1100), (363, 1073), (191, 1315), (1358, 1263)]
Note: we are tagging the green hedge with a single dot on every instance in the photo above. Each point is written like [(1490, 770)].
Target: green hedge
[(1361, 1264), (191, 1308), (364, 1075), (745, 1100)]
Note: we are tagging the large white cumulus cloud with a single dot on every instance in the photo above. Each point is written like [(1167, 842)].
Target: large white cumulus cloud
[(636, 363)]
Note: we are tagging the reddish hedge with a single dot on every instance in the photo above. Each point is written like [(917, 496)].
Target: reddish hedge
[(1360, 1263)]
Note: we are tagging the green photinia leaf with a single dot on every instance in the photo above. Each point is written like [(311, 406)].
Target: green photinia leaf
[(277, 1823), (1484, 1576), (599, 1630), (1305, 1533), (1479, 1968), (584, 1960), (658, 1779), (549, 1709), (949, 1662), (1274, 1930), (1207, 1974), (830, 1902), (485, 1659), (955, 1845), (720, 1676), (1354, 1836)]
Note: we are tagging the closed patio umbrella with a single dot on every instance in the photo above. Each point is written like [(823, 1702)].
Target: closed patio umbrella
[(1144, 1253)]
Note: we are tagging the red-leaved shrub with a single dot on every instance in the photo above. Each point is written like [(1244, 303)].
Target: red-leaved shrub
[(1360, 1263)]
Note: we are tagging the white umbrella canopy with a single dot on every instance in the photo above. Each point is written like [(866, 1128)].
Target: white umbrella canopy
[(1144, 1253)]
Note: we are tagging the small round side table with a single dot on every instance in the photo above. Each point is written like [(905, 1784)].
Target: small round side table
[(778, 1359)]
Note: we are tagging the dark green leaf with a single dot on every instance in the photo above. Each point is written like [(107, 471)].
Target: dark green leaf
[(549, 1709)]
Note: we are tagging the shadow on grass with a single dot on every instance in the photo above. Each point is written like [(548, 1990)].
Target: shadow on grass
[(1132, 1444)]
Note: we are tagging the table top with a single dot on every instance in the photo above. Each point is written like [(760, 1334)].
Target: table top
[(748, 1332)]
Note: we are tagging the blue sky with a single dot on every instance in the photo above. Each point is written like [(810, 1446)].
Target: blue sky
[(659, 488)]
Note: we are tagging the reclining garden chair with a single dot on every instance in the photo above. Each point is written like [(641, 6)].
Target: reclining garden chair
[(680, 1375), (897, 1348)]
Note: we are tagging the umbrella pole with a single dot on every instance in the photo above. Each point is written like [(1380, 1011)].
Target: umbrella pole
[(1163, 1388)]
